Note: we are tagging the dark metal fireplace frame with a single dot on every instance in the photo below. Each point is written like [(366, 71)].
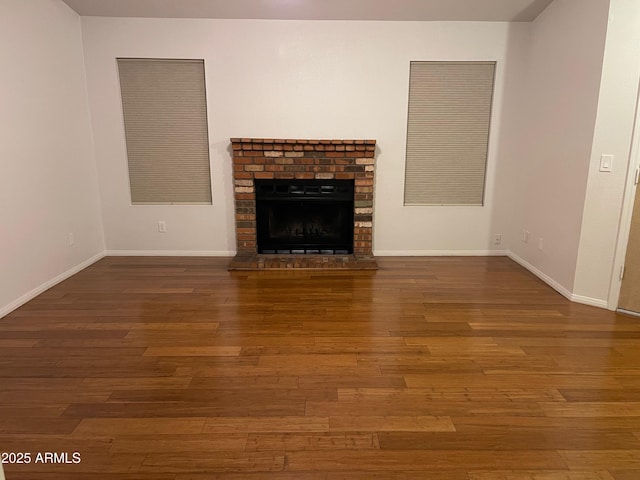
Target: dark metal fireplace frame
[(301, 217)]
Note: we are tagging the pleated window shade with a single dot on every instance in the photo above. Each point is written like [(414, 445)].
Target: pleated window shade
[(165, 121), (448, 132)]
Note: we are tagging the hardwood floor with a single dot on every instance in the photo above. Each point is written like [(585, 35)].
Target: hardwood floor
[(429, 368)]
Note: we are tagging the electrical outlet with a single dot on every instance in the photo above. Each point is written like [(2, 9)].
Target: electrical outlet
[(162, 226), (540, 243), (71, 240), (526, 234), (497, 239)]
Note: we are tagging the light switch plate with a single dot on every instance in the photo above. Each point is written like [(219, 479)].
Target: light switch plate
[(606, 163)]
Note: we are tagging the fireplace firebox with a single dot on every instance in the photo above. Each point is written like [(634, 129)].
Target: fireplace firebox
[(305, 216)]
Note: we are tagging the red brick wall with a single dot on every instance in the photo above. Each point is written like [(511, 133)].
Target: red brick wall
[(303, 159)]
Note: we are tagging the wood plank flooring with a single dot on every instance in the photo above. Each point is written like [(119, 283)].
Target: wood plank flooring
[(429, 368)]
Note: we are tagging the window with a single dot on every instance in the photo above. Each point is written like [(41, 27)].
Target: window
[(165, 122), (448, 132)]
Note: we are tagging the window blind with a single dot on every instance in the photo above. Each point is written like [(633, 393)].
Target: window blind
[(448, 132), (165, 120)]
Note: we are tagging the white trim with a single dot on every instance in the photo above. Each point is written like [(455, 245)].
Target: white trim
[(169, 253), (441, 253), (628, 312), (565, 292), (593, 302), (7, 309)]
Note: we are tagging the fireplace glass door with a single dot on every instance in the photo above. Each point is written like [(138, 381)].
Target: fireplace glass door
[(304, 216)]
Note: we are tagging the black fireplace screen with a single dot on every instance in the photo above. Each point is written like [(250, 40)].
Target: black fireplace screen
[(304, 216)]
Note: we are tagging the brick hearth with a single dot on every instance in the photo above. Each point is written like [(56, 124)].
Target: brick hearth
[(261, 158)]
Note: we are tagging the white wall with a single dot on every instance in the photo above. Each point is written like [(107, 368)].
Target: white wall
[(556, 124), (48, 185), (289, 79), (613, 134)]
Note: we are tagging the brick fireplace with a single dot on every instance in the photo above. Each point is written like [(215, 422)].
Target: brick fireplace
[(299, 161)]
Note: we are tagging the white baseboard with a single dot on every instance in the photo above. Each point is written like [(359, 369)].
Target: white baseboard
[(565, 292), (169, 253), (594, 302), (48, 284), (440, 253)]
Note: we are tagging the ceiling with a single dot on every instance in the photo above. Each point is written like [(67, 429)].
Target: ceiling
[(399, 10)]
